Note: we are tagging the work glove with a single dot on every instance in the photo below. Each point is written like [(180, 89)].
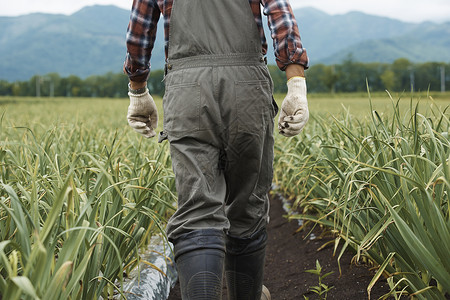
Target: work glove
[(294, 110), (143, 114)]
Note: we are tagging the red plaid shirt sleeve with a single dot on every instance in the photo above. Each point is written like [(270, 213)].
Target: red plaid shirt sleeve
[(287, 44), (140, 39)]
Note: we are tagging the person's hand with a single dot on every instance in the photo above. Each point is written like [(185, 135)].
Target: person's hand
[(143, 114), (294, 110)]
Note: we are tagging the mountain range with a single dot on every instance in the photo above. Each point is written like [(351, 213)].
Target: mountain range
[(92, 41)]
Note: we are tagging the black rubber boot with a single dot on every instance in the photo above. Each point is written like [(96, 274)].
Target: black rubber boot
[(244, 266), (199, 257)]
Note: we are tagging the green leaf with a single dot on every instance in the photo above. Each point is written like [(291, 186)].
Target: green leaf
[(421, 252), (54, 213), (19, 220), (59, 280), (25, 285)]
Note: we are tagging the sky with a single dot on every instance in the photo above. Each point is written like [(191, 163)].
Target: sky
[(406, 10)]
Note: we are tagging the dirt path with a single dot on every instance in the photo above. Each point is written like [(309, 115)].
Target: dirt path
[(288, 255)]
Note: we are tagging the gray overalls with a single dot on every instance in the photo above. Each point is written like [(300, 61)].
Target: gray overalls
[(218, 116)]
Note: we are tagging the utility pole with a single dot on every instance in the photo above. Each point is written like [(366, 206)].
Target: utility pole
[(40, 80), (38, 86), (52, 88), (442, 79), (411, 78)]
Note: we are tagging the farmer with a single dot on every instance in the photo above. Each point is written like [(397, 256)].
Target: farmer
[(218, 118)]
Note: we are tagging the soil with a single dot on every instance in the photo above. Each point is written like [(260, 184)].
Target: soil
[(290, 254)]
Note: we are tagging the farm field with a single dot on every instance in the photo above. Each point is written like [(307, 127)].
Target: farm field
[(42, 112), (80, 197), (379, 183), (81, 193)]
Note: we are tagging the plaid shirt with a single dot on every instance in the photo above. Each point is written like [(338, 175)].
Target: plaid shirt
[(145, 15)]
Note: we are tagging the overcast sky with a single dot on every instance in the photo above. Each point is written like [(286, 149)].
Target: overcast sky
[(406, 10)]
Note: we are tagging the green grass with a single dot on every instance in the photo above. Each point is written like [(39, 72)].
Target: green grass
[(40, 113), (357, 104)]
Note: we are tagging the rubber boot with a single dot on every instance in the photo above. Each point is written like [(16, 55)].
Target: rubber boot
[(199, 257), (244, 267)]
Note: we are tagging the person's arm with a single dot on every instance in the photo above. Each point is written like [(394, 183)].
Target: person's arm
[(136, 85), (140, 39), (142, 112), (292, 58), (294, 70)]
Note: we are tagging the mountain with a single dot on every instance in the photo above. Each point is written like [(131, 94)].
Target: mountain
[(427, 43), (324, 35), (92, 41), (421, 43)]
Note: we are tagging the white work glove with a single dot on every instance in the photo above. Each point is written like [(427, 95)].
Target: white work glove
[(143, 114), (294, 110)]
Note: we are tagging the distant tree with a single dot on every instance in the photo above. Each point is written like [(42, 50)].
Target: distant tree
[(373, 73), (330, 78), (428, 76), (404, 72), (72, 86), (16, 89), (5, 88), (278, 78), (351, 75), (155, 82), (314, 78), (112, 85), (389, 80)]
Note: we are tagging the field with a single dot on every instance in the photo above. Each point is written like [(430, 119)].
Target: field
[(81, 193), (379, 182)]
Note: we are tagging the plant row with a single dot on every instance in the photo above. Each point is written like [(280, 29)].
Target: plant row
[(381, 184), (78, 206)]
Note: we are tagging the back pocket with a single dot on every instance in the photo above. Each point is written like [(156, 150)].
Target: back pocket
[(253, 104), (182, 108)]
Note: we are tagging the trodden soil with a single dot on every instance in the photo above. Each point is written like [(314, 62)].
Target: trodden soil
[(290, 254)]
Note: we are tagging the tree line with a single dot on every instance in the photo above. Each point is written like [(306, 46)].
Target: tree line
[(349, 76), (352, 76)]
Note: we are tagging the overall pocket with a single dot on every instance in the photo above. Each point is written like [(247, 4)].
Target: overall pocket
[(253, 104), (181, 105)]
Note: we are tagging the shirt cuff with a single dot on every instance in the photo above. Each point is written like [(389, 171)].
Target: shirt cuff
[(300, 59), (139, 75)]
